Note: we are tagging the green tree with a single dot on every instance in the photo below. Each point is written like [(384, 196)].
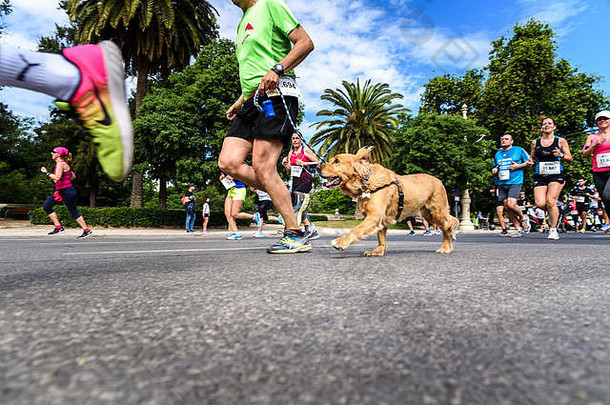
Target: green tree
[(5, 9), (155, 37), (362, 116), (182, 125), (449, 147), (446, 94)]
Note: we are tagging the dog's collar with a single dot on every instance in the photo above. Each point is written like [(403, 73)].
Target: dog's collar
[(401, 195)]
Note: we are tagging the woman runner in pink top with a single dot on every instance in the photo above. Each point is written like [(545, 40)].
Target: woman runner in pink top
[(598, 146), (64, 191)]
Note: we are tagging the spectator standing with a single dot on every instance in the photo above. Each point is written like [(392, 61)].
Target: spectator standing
[(189, 205), (205, 212), (598, 146)]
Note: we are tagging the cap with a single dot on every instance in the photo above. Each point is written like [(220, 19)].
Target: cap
[(192, 185), (604, 113), (61, 151)]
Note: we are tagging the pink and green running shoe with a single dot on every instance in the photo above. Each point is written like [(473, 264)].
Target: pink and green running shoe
[(100, 104)]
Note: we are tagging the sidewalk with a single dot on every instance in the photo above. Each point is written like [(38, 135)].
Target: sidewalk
[(22, 228)]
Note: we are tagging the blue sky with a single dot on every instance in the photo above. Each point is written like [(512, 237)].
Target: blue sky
[(402, 43)]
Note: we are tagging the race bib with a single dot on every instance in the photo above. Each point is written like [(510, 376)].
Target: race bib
[(549, 168), (288, 87), (227, 183), (574, 212), (295, 171), (504, 175), (603, 160), (580, 199)]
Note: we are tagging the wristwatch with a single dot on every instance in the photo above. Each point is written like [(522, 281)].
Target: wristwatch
[(278, 69)]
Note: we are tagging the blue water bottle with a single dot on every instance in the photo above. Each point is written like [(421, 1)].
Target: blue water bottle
[(268, 109)]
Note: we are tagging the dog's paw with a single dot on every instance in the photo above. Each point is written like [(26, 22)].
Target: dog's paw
[(376, 252), (339, 244), (443, 250)]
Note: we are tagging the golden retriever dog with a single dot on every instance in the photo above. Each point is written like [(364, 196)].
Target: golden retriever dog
[(377, 191)]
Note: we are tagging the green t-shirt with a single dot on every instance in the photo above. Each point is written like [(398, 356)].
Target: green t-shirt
[(262, 41)]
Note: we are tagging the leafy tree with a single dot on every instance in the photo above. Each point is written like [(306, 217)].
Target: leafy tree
[(5, 9), (362, 116), (446, 94), (449, 147), (181, 126), (527, 80), (155, 37)]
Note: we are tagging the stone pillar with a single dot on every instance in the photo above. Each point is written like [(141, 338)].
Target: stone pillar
[(465, 222)]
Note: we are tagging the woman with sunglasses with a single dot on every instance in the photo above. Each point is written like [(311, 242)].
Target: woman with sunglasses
[(64, 191), (598, 146)]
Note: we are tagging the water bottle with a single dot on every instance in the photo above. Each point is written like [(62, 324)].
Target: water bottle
[(268, 109)]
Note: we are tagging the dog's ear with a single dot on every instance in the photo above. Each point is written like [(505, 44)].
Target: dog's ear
[(364, 154), (362, 162)]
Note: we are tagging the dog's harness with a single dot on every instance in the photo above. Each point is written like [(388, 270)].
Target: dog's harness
[(396, 182)]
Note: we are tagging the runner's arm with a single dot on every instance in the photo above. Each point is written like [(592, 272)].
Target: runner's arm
[(302, 46), (565, 149)]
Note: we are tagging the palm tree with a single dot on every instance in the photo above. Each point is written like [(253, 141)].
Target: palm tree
[(363, 116), (155, 36)]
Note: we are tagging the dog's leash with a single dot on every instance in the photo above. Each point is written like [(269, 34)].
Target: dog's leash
[(296, 129)]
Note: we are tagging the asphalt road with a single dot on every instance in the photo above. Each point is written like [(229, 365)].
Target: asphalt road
[(201, 320)]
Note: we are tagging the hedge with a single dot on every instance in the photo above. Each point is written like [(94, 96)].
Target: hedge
[(130, 217)]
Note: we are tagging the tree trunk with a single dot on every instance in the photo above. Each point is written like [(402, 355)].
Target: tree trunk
[(137, 191), (162, 192), (93, 197)]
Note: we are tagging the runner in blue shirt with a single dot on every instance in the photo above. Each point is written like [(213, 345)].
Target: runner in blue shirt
[(509, 162)]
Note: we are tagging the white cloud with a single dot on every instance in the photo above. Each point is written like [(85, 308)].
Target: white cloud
[(557, 13)]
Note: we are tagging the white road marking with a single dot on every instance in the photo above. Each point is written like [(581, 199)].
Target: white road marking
[(119, 252)]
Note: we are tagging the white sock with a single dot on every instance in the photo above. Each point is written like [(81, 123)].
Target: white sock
[(552, 229), (47, 73)]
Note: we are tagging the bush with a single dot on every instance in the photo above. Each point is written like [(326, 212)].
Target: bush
[(327, 201), (129, 217)]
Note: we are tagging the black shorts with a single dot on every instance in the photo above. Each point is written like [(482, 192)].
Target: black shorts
[(506, 191), (540, 180), (262, 207), (582, 208), (252, 124), (206, 215)]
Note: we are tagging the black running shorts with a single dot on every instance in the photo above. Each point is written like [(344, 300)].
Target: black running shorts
[(251, 123)]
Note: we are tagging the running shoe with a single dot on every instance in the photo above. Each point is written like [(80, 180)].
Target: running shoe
[(583, 230), (280, 220), (291, 242), (257, 220), (258, 234), (234, 236), (411, 233), (515, 233), (553, 234), (427, 233), (311, 232), (437, 232), (525, 224), (55, 231), (205, 231), (607, 231), (605, 227), (100, 104), (86, 233), (503, 233)]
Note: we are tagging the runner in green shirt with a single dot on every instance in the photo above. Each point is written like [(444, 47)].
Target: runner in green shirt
[(270, 44)]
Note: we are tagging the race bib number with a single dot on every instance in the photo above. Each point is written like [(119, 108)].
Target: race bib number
[(603, 160), (580, 199), (288, 87), (228, 183), (504, 175), (574, 212), (549, 168), (295, 171)]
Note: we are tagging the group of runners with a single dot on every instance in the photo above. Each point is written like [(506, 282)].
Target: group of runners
[(89, 80), (548, 153)]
